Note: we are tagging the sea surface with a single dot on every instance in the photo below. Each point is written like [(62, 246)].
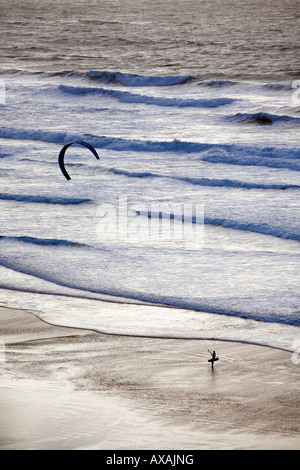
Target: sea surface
[(189, 223)]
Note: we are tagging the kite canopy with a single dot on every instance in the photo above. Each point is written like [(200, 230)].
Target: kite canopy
[(62, 156)]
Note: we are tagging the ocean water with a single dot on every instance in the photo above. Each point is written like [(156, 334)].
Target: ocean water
[(189, 224)]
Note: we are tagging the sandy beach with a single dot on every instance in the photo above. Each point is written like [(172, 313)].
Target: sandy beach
[(63, 388)]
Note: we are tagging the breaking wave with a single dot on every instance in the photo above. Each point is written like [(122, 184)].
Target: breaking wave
[(235, 154), (262, 228), (127, 97), (131, 80), (204, 181), (262, 119), (106, 77)]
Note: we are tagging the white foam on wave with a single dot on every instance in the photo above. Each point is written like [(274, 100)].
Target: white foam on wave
[(230, 151), (209, 286), (263, 119), (185, 151), (127, 97), (70, 310), (132, 80)]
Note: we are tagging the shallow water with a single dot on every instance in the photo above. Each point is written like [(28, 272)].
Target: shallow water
[(194, 203)]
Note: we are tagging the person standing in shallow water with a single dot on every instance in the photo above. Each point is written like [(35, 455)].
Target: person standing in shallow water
[(213, 358)]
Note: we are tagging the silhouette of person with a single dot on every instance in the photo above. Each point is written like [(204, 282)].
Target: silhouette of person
[(213, 358)]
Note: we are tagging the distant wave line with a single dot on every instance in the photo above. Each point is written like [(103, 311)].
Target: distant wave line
[(271, 161), (43, 199), (235, 154), (262, 119), (126, 79), (136, 80), (205, 181), (127, 97), (43, 241), (263, 228)]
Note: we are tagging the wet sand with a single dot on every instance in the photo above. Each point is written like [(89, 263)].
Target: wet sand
[(66, 388)]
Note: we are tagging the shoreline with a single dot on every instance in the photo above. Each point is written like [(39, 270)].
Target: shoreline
[(98, 391)]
